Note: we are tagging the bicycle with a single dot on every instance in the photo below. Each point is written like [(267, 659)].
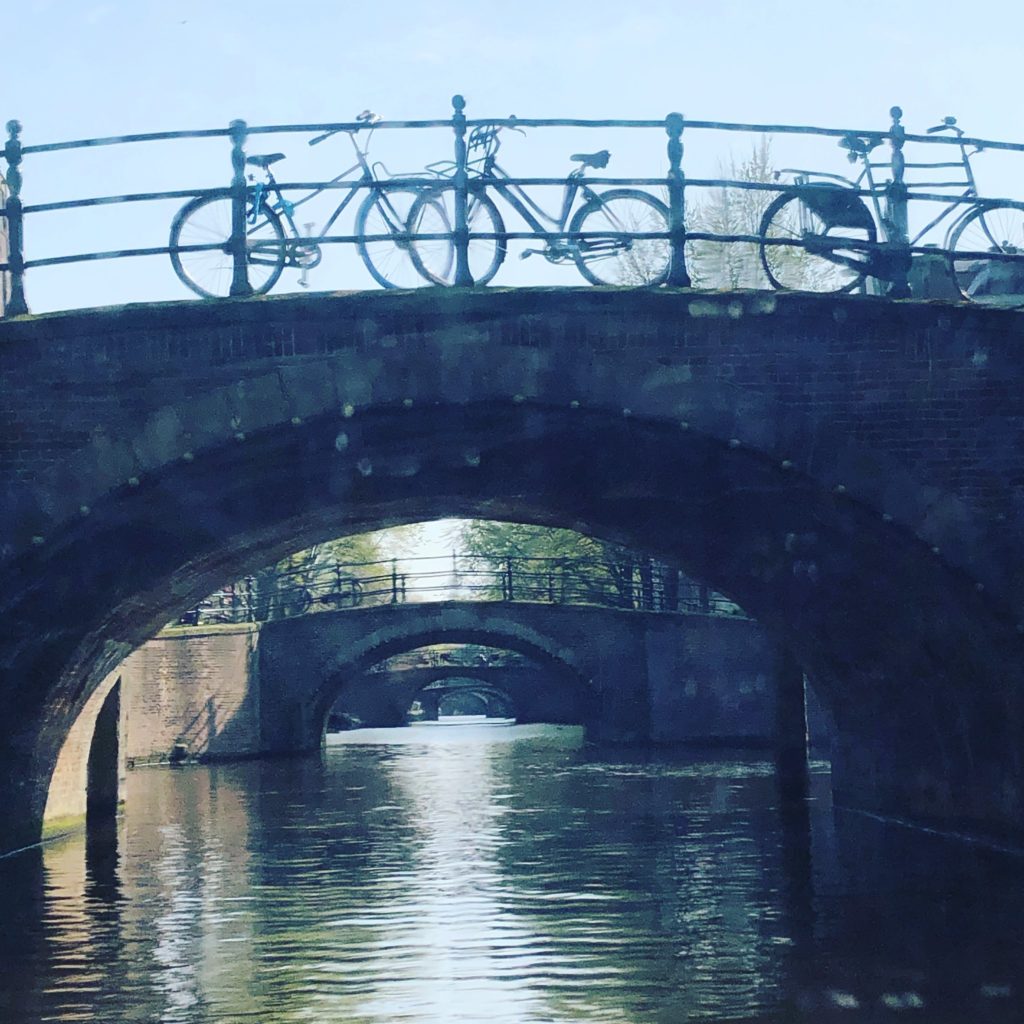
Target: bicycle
[(599, 237), (838, 232), (201, 231)]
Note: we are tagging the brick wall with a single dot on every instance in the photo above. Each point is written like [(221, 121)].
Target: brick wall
[(710, 680), (195, 687)]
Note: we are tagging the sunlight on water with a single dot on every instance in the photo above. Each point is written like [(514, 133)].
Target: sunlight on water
[(506, 874)]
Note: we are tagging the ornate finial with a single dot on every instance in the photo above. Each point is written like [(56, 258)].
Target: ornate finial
[(238, 128), (459, 103), (896, 113), (674, 124), (14, 129)]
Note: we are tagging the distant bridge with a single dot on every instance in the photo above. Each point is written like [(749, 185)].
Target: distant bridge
[(639, 582), (635, 676)]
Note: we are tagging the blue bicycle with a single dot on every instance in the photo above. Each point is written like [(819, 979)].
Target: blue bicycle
[(201, 231)]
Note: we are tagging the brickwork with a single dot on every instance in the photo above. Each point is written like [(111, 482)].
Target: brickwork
[(195, 688), (849, 469)]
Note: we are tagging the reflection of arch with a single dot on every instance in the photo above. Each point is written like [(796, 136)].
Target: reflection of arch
[(626, 417)]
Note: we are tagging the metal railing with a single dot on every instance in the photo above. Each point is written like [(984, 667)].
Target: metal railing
[(641, 584), (883, 253)]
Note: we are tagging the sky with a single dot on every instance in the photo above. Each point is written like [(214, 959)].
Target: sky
[(75, 69)]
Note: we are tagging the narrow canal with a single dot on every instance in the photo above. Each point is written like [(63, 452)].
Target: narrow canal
[(510, 875)]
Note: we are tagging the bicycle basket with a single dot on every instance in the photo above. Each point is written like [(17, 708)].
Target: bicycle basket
[(483, 142)]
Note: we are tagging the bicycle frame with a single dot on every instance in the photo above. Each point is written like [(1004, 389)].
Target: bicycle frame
[(493, 176), (516, 196), (866, 178), (286, 208)]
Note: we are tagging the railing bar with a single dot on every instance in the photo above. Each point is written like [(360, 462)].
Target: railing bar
[(878, 192), (726, 126), (772, 129), (70, 204), (114, 140), (53, 261), (347, 126)]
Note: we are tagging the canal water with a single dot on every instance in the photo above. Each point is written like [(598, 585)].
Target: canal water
[(514, 876)]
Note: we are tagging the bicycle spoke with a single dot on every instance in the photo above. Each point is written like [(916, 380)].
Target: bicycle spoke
[(987, 258)]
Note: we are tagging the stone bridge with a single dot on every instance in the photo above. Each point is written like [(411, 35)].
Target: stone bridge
[(627, 675), (383, 698), (229, 691), (848, 469)]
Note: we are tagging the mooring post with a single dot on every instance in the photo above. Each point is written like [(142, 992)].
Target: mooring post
[(239, 251), (790, 727), (16, 305), (677, 275), (896, 211), (463, 276)]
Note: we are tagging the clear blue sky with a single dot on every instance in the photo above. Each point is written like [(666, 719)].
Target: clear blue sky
[(75, 69)]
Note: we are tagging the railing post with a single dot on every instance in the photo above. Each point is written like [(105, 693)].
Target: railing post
[(394, 581), (509, 588), (239, 252), (16, 305), (250, 611), (896, 210), (677, 275), (463, 276)]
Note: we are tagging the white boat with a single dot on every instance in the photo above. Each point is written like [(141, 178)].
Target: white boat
[(447, 720)]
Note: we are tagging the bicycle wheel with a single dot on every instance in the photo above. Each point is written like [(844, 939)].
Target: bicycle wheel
[(996, 279), (829, 223), (207, 221), (295, 601), (385, 212), (433, 213), (607, 258)]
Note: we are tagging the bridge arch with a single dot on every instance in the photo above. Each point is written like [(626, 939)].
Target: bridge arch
[(659, 421), (493, 700), (358, 648)]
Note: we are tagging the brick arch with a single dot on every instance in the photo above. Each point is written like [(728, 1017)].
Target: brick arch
[(730, 435), (487, 690), (445, 625)]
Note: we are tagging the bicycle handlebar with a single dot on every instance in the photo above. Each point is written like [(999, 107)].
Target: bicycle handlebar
[(326, 135), (367, 119)]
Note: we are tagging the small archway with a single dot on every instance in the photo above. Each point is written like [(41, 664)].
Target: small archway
[(85, 788), (565, 697), (463, 695), (102, 787)]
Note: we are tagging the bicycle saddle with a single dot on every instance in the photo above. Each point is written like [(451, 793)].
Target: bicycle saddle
[(859, 143), (598, 160), (265, 160)]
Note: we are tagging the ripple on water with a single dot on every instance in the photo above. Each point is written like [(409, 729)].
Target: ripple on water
[(513, 876)]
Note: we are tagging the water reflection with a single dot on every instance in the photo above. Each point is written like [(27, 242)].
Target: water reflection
[(510, 877)]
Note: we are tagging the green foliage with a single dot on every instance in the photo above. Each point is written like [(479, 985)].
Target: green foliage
[(489, 538), (559, 564), (314, 568), (725, 210)]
